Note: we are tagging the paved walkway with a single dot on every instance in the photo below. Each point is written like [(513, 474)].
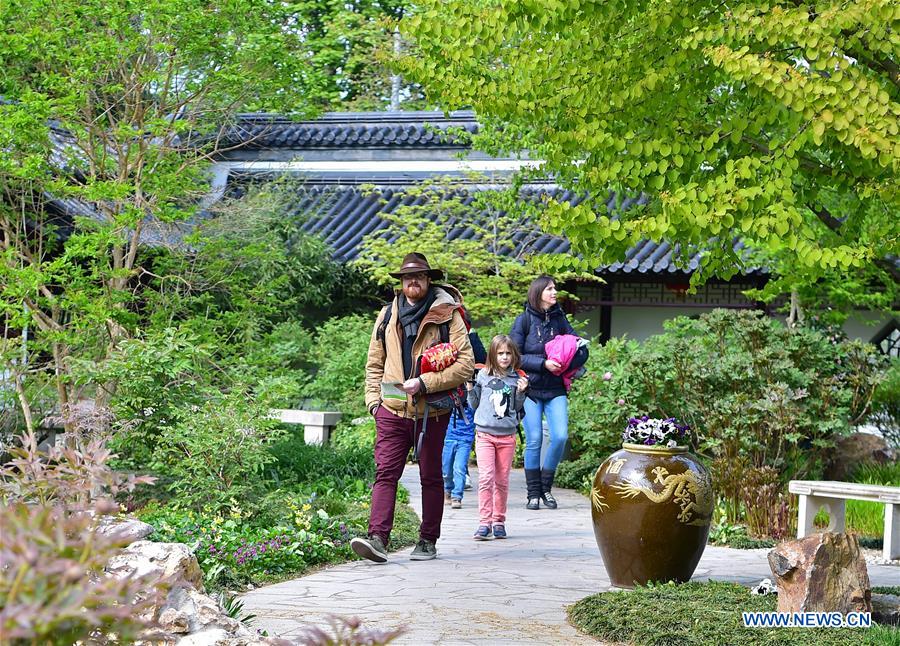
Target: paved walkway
[(512, 591)]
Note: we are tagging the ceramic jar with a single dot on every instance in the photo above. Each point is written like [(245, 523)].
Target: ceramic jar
[(651, 507)]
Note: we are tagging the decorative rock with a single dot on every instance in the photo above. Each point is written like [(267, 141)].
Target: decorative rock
[(209, 637), (821, 573), (172, 620), (125, 531), (886, 609), (172, 563), (855, 449)]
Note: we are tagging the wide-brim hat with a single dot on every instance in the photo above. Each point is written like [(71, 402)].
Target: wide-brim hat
[(414, 263)]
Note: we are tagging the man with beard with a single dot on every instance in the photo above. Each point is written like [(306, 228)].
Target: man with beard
[(395, 396)]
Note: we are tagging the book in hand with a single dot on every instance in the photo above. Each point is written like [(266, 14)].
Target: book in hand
[(392, 390)]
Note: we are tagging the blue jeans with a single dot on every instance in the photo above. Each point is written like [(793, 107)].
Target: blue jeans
[(557, 412), (454, 464)]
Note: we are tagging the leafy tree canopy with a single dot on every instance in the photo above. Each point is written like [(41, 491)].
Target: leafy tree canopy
[(491, 265), (119, 104), (775, 122)]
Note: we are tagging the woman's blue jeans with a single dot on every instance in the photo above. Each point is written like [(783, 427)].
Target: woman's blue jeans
[(454, 464), (557, 412)]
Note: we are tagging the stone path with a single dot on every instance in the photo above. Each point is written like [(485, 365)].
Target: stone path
[(512, 591)]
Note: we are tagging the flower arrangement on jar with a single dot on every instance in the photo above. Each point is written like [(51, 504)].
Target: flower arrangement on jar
[(651, 431)]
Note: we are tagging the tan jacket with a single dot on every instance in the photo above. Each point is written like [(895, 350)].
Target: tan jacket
[(388, 366)]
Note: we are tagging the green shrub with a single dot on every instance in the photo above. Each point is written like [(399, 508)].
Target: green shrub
[(727, 535), (216, 451), (702, 614), (577, 474), (748, 386), (596, 416), (339, 359), (298, 463), (356, 433), (233, 549), (886, 405)]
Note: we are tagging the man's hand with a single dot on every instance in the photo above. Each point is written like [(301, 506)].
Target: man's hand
[(552, 366), (411, 386)]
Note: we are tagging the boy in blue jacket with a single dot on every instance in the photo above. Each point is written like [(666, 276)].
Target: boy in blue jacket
[(455, 460)]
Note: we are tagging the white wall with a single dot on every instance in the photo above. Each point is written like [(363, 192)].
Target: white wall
[(642, 322)]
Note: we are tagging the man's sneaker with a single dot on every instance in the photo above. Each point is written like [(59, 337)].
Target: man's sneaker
[(548, 500), (482, 533), (468, 483), (455, 503), (533, 503), (499, 531), (446, 497), (425, 551), (371, 548)]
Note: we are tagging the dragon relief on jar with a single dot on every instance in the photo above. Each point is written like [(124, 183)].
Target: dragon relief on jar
[(692, 495)]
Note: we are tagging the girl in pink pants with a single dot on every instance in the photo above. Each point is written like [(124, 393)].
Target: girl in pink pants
[(498, 399)]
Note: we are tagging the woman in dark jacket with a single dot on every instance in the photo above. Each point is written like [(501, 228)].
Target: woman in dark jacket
[(542, 320)]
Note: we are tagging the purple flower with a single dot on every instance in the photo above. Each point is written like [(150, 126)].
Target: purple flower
[(607, 376)]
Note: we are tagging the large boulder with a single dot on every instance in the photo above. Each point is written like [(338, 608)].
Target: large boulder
[(171, 563), (853, 450), (823, 572)]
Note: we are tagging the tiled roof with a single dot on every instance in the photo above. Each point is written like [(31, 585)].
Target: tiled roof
[(353, 130), (342, 216)]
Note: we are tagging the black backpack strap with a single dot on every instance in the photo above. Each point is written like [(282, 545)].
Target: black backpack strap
[(382, 327)]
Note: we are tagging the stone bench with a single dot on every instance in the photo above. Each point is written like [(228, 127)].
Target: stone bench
[(317, 425), (818, 494)]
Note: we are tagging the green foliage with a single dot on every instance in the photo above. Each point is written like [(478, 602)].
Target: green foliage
[(757, 395), (772, 122), (736, 536), (701, 614), (126, 122), (867, 518), (578, 473), (337, 468), (53, 586), (233, 551), (311, 501), (745, 383), (358, 433), (886, 405), (596, 418), (492, 268), (215, 451), (338, 357)]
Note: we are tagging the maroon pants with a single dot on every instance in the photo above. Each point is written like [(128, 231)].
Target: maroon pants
[(393, 440)]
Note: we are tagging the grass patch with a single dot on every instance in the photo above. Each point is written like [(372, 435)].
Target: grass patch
[(695, 614), (867, 518), (736, 536)]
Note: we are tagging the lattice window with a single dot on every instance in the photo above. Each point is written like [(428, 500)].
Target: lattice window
[(887, 339)]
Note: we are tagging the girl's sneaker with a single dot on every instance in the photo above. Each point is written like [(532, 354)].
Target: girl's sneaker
[(483, 533), (499, 531)]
